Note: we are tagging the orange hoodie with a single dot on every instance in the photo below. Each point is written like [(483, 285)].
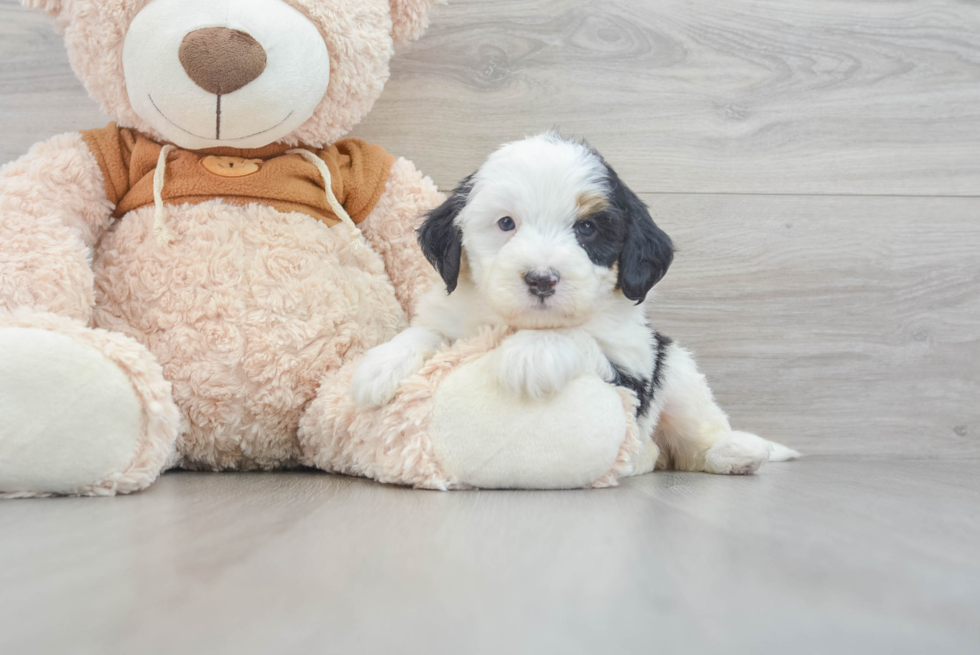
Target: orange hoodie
[(269, 176)]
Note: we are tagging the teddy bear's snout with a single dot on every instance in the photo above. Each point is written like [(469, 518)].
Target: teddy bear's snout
[(221, 60)]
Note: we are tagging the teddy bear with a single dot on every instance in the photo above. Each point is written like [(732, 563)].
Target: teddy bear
[(193, 285), (174, 286)]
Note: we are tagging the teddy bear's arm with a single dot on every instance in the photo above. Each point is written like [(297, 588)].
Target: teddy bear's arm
[(90, 411), (390, 228), (53, 209)]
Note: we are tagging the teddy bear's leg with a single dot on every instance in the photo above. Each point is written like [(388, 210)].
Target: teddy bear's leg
[(486, 436), (694, 432), (391, 231), (454, 425), (81, 410)]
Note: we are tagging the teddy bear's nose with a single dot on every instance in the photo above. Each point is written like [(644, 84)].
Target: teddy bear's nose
[(221, 60)]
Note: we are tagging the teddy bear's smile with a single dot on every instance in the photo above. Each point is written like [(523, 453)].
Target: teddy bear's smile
[(217, 127)]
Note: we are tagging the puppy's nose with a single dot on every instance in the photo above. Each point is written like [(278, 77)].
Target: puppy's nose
[(541, 283), (221, 60)]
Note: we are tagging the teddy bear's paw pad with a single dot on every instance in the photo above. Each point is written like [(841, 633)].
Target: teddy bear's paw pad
[(69, 417), (486, 437), (739, 453)]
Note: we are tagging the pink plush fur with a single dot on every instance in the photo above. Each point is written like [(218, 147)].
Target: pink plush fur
[(391, 231), (410, 18), (390, 443), (246, 310), (52, 211)]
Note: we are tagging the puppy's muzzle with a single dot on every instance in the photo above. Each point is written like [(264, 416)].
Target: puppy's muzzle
[(541, 283)]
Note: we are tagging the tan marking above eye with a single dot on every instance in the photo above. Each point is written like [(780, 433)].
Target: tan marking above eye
[(589, 203)]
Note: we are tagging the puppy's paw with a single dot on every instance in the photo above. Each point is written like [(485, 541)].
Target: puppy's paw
[(737, 453), (534, 364), (381, 371)]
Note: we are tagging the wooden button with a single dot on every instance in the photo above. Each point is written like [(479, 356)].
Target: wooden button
[(231, 166)]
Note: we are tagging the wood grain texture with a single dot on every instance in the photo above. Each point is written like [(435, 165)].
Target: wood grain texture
[(836, 324), (825, 555), (759, 96), (841, 325), (39, 94), (764, 96), (845, 326)]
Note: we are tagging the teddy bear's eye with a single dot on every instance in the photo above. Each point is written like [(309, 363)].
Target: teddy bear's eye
[(506, 224)]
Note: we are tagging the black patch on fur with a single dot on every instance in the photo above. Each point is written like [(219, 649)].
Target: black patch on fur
[(658, 370), (441, 239), (645, 388), (605, 246), (647, 251), (639, 386), (627, 235)]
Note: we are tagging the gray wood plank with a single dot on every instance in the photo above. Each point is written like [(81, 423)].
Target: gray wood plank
[(39, 94), (825, 555), (835, 324), (762, 96)]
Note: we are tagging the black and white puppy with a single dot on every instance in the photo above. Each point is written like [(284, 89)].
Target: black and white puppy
[(545, 238)]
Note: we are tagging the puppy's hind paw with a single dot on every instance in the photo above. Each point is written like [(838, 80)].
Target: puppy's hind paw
[(738, 453)]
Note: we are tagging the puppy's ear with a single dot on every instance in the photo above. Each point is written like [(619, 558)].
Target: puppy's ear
[(441, 239), (647, 252)]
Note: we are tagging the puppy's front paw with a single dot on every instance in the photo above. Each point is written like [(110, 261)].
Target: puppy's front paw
[(381, 371), (535, 364), (738, 453)]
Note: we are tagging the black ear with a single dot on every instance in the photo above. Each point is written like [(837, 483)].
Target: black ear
[(441, 240), (647, 252)]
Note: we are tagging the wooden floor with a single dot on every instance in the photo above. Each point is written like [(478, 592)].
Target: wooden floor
[(826, 555), (818, 165)]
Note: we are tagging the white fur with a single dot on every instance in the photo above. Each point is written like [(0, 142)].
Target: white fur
[(384, 367), (537, 363), (581, 330), (536, 182), (265, 110), (68, 416), (693, 431)]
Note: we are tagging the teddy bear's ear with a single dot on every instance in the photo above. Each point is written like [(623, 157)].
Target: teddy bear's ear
[(409, 18), (50, 7)]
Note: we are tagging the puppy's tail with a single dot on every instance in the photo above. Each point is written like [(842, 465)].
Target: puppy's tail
[(781, 453)]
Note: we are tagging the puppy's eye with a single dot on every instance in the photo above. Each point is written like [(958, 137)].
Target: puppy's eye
[(585, 229), (506, 224)]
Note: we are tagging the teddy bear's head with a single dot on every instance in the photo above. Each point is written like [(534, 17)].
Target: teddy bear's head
[(236, 73)]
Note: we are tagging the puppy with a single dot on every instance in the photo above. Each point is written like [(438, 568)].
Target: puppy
[(545, 238)]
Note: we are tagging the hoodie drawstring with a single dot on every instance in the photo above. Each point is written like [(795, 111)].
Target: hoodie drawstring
[(159, 229), (335, 206)]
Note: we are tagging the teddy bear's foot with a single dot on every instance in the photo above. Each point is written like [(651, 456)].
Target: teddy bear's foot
[(488, 437), (82, 411)]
